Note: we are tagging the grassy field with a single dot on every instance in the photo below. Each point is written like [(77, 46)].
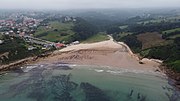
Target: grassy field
[(150, 21), (151, 40), (172, 30), (123, 27), (159, 20), (97, 38), (174, 36), (57, 31), (171, 34), (123, 34)]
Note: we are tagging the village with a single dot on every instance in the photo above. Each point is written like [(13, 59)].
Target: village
[(18, 40), (24, 27)]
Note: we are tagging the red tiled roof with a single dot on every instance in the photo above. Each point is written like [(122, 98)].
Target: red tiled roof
[(60, 45)]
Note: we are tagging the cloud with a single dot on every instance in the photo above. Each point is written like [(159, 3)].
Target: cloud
[(73, 4)]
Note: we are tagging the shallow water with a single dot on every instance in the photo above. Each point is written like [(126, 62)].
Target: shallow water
[(63, 82)]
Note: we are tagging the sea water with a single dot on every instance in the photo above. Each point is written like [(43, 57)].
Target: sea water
[(64, 82)]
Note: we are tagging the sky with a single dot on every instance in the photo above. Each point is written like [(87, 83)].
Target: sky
[(86, 4)]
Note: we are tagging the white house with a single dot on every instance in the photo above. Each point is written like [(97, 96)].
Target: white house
[(1, 41), (7, 33), (31, 48), (75, 42)]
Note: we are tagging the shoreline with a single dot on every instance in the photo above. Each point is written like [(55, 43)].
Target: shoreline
[(18, 63), (106, 53)]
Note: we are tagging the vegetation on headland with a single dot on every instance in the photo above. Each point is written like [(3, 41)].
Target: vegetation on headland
[(16, 48), (157, 43)]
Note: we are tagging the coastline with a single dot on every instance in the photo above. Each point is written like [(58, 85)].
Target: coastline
[(106, 53), (29, 60), (173, 76)]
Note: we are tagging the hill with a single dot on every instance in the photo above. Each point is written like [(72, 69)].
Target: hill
[(55, 31), (158, 40), (151, 40), (66, 31)]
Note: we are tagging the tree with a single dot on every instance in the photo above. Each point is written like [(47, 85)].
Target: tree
[(83, 29), (113, 30)]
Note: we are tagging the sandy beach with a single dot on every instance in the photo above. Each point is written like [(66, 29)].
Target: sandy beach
[(106, 53), (109, 65)]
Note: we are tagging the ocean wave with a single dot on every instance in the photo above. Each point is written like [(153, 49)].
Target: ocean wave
[(28, 68), (126, 71), (98, 70), (114, 72), (69, 65)]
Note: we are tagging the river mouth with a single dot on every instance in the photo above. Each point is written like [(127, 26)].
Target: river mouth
[(65, 82)]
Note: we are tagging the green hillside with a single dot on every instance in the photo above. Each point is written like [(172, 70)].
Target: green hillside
[(55, 31), (97, 38), (155, 40)]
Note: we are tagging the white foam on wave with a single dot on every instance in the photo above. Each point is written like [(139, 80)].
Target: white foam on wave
[(69, 65), (99, 71), (73, 65), (114, 72), (41, 65), (126, 71), (28, 68), (31, 67)]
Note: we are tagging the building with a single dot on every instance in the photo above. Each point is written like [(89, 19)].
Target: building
[(6, 33), (31, 48), (59, 45), (1, 41), (75, 42)]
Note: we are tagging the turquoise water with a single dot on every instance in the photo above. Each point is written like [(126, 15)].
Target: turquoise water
[(61, 82)]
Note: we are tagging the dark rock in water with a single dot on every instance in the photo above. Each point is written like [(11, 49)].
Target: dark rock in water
[(61, 87), (131, 93), (38, 95), (63, 82), (138, 97), (168, 95), (163, 87), (169, 88), (29, 82), (93, 93), (174, 97), (65, 96), (143, 98), (2, 73), (62, 68), (17, 70), (171, 81), (39, 88), (58, 86)]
